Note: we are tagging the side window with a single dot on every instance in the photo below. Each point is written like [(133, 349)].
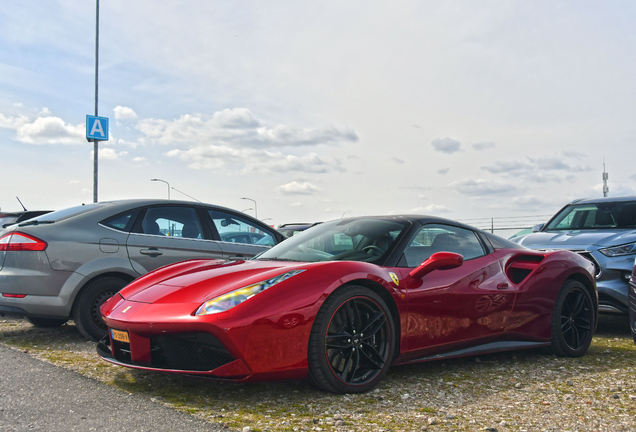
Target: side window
[(121, 222), (236, 229), (432, 238), (172, 222)]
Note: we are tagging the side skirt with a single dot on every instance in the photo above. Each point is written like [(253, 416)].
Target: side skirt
[(487, 348)]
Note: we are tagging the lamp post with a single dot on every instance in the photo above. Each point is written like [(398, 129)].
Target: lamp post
[(255, 208), (243, 211), (95, 146), (165, 183)]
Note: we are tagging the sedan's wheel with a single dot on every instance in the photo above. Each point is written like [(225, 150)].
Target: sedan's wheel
[(573, 320), (86, 313), (46, 322), (352, 341)]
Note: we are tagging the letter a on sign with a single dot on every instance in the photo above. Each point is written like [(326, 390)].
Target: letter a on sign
[(96, 128)]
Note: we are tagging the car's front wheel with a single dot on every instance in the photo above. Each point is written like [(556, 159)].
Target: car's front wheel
[(573, 320), (86, 313), (352, 341)]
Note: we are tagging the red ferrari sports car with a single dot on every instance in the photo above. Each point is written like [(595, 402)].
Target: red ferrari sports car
[(344, 300)]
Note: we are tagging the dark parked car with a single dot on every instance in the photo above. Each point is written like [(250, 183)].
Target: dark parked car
[(291, 229), (632, 302), (603, 230), (63, 265)]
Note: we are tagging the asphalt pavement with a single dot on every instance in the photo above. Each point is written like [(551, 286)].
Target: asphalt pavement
[(39, 396)]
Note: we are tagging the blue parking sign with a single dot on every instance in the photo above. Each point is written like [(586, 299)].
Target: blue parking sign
[(97, 128)]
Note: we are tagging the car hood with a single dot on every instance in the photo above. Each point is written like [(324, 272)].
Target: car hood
[(201, 280), (576, 239)]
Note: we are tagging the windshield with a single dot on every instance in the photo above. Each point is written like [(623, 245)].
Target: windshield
[(368, 240), (606, 215)]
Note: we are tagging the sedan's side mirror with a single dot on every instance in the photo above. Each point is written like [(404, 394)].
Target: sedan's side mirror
[(437, 261), (537, 228)]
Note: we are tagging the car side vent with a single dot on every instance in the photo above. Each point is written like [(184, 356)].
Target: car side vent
[(519, 267)]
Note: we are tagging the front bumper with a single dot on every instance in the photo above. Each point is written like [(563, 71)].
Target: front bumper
[(168, 337), (176, 354)]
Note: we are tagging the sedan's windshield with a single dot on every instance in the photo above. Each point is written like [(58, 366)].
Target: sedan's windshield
[(606, 215), (368, 240)]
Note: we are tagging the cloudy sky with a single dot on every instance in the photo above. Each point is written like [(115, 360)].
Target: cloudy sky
[(318, 109)]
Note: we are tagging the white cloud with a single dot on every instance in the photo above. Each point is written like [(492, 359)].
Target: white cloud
[(398, 161), (499, 167), (124, 113), (443, 171), (295, 188), (431, 209), (237, 128), (446, 145), (48, 130), (109, 153), (483, 146), (556, 163), (482, 187), (251, 161)]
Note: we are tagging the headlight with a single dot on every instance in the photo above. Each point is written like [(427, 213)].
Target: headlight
[(626, 249), (236, 297)]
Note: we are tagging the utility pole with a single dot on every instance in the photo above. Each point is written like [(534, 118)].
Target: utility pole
[(605, 178), (95, 145)]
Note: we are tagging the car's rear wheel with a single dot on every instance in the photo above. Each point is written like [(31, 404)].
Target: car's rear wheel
[(573, 320), (46, 322), (352, 341), (86, 313)]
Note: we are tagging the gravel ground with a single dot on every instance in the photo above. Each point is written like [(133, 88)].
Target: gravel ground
[(517, 391)]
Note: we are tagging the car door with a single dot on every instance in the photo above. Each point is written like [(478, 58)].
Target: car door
[(460, 305), (234, 231), (166, 234)]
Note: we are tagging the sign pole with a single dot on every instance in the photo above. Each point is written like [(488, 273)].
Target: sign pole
[(95, 146)]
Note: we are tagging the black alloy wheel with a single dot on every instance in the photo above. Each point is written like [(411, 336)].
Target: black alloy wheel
[(573, 320), (352, 341), (86, 313)]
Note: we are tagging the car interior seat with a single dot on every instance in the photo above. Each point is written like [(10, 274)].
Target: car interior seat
[(190, 230), (151, 227)]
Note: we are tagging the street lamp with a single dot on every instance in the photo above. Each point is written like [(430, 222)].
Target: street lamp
[(243, 211), (165, 183), (255, 208)]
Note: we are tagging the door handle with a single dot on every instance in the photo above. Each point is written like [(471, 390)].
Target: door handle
[(153, 252), (502, 286)]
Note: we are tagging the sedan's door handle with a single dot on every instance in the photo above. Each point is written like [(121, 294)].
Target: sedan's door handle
[(153, 251)]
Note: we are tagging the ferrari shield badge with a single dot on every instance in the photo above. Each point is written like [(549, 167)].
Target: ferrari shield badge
[(395, 279)]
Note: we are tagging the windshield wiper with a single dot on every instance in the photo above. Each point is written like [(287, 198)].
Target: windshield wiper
[(277, 259), (35, 222)]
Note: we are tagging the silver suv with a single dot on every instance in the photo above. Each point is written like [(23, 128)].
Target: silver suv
[(64, 265), (602, 230)]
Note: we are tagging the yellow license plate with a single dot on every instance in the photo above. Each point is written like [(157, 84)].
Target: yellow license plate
[(120, 336)]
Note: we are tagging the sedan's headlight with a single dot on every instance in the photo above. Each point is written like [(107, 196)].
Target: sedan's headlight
[(236, 297), (626, 249)]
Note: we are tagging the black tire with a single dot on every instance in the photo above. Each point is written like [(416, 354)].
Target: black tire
[(573, 320), (342, 359), (86, 313), (46, 322)]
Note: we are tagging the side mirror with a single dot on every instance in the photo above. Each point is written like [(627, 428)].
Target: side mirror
[(537, 228), (437, 261)]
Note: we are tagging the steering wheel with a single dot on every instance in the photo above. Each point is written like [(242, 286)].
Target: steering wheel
[(369, 248)]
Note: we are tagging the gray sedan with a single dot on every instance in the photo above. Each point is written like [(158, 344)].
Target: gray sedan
[(65, 264)]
